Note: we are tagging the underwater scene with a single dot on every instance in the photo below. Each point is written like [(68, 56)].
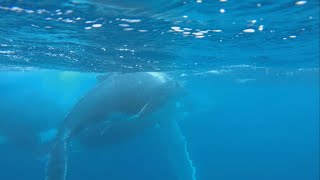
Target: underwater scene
[(159, 90)]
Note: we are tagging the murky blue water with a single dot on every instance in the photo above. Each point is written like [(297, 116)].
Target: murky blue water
[(250, 70)]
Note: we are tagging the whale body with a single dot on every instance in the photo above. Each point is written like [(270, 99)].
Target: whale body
[(120, 105)]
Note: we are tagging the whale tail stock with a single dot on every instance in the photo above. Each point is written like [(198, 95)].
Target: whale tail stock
[(57, 163)]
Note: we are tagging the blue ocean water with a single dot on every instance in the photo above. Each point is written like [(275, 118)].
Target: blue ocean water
[(250, 70)]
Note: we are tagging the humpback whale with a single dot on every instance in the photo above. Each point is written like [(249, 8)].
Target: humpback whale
[(120, 105)]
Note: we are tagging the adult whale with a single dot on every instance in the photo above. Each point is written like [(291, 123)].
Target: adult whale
[(131, 95)]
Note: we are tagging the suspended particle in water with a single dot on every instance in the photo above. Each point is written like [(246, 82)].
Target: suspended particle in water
[(299, 3), (249, 30)]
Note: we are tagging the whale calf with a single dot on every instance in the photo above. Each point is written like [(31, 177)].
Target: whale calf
[(120, 105)]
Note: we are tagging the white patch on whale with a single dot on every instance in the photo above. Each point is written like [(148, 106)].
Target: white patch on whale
[(162, 77)]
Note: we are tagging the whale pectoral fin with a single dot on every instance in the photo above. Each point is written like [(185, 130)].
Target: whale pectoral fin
[(133, 118), (106, 126), (57, 164), (178, 154), (147, 109), (141, 114)]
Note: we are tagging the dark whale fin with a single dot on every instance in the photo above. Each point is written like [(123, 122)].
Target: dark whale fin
[(57, 163)]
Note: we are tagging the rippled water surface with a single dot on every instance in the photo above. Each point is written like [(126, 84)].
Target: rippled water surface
[(102, 35)]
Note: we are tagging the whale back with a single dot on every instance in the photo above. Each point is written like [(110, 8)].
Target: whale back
[(119, 93)]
